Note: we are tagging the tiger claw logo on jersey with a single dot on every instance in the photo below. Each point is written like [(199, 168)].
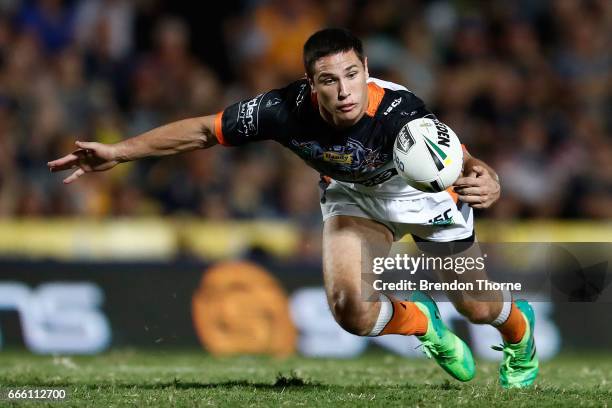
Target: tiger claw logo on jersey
[(404, 140), (352, 158), (248, 114)]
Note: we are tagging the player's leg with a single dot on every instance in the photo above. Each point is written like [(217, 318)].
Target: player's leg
[(356, 231), (445, 220), (353, 235), (348, 244), (514, 320), (478, 306)]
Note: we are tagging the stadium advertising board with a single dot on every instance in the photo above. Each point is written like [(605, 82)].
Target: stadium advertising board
[(269, 307)]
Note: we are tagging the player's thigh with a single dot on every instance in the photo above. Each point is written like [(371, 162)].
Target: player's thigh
[(348, 243)]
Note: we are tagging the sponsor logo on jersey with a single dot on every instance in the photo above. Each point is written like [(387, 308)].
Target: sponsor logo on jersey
[(248, 114), (333, 157), (404, 140), (392, 106)]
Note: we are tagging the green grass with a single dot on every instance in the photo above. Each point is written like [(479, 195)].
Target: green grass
[(192, 378)]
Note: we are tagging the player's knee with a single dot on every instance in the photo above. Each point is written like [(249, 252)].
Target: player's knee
[(475, 312), (351, 312)]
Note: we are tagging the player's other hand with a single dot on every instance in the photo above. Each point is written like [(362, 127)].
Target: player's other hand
[(478, 188), (89, 156)]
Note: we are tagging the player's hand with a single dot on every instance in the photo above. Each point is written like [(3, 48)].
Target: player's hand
[(89, 157), (478, 188)]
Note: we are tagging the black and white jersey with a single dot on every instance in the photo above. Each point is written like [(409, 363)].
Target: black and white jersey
[(359, 157)]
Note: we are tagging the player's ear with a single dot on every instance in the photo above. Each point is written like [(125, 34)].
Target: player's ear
[(310, 83), (365, 67)]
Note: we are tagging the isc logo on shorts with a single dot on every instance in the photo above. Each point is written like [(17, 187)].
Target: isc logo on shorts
[(442, 219)]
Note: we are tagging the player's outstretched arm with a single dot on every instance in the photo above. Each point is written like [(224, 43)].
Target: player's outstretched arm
[(176, 137), (479, 186)]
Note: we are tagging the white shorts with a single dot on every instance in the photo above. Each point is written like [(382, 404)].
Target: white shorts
[(432, 217)]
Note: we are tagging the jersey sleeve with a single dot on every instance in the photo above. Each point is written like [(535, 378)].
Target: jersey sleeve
[(408, 108), (251, 120)]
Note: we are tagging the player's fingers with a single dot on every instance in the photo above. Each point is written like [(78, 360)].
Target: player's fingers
[(78, 173), (471, 199), (86, 145), (479, 170), (64, 163), (469, 191), (468, 182)]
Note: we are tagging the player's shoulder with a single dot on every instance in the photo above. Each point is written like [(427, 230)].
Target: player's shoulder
[(398, 102), (280, 102), (293, 94), (387, 85)]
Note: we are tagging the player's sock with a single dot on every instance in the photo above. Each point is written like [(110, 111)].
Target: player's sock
[(399, 317), (510, 322), (519, 367), (513, 329)]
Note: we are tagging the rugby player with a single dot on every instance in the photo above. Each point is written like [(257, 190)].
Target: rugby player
[(343, 123)]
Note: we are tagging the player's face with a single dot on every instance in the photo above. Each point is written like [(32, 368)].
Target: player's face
[(339, 81)]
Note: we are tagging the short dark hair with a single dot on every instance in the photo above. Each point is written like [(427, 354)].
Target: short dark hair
[(330, 41)]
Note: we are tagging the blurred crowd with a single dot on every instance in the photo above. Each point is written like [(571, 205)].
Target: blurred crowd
[(525, 84)]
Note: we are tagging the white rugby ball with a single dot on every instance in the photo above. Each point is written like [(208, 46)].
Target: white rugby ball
[(428, 155)]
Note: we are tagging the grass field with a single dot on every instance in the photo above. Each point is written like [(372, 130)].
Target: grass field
[(192, 378)]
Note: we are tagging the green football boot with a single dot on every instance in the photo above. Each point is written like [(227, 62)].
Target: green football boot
[(520, 366), (439, 343)]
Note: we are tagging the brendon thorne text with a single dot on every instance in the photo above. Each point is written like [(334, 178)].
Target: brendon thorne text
[(423, 284)]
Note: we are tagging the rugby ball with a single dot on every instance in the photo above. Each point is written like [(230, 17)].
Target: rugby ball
[(428, 155)]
